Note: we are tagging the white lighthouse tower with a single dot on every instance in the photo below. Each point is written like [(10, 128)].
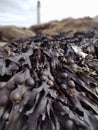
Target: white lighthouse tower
[(38, 12)]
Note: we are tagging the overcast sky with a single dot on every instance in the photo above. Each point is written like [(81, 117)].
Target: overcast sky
[(23, 12)]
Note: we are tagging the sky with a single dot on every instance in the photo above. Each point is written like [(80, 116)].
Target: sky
[(24, 12)]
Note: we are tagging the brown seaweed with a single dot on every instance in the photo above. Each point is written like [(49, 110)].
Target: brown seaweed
[(50, 83)]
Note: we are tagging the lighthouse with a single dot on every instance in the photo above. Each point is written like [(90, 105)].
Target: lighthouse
[(38, 12)]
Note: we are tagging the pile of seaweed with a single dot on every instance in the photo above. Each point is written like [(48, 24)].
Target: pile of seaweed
[(50, 83)]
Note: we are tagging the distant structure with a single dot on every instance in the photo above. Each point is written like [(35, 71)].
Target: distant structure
[(38, 12)]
